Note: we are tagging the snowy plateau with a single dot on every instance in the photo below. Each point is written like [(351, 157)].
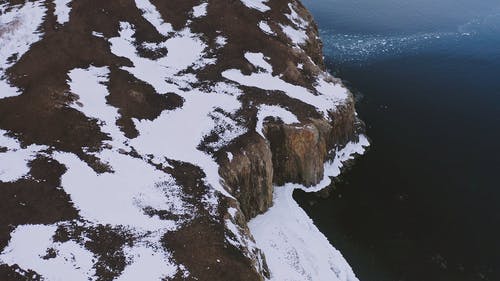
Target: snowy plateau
[(162, 140)]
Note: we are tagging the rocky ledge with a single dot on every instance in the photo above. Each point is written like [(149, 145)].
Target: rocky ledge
[(162, 140)]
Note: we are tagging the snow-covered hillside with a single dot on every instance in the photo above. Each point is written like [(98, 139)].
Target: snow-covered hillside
[(120, 122)]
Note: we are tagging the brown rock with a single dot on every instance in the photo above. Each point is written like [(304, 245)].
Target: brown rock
[(298, 153), (249, 175)]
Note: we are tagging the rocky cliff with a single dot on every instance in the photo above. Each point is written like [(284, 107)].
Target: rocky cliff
[(138, 139)]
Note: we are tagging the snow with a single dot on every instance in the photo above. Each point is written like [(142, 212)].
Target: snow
[(240, 241), (273, 111), (88, 84), (220, 41), (295, 249), (133, 193), (7, 90), (176, 134), (258, 59), (184, 50), (200, 10), (232, 211), (265, 28), (171, 137), (330, 96), (151, 14), (147, 264), (325, 87), (297, 36), (14, 162), (62, 10), (129, 194), (257, 5), (18, 31), (295, 18), (226, 128), (97, 34), (168, 136), (120, 198), (29, 243)]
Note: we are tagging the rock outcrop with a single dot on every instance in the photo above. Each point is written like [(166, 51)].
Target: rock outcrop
[(249, 174), (139, 137)]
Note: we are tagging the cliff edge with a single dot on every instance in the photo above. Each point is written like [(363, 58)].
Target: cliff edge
[(162, 140)]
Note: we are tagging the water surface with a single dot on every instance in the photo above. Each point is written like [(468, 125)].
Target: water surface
[(422, 204)]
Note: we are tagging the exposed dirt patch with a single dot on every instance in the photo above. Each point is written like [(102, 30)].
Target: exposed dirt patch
[(200, 245), (35, 200), (104, 241), (176, 12), (15, 273), (137, 99)]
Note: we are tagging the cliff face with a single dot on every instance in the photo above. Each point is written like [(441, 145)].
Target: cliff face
[(138, 138), (285, 153)]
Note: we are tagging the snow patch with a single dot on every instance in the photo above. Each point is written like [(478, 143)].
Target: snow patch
[(226, 129), (132, 195), (200, 10), (88, 84), (295, 18), (147, 264), (14, 161), (297, 36), (62, 10), (97, 34), (184, 50), (121, 197), (273, 111), (6, 90), (257, 5), (324, 101), (295, 249), (168, 136), (258, 59), (325, 86), (151, 14), (266, 28), (220, 41), (29, 244), (18, 31)]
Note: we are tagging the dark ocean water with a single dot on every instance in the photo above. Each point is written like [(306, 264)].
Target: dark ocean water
[(424, 203)]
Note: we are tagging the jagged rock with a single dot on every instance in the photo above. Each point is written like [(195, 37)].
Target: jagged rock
[(299, 153), (248, 173)]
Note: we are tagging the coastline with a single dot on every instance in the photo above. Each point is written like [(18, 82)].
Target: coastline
[(294, 247)]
